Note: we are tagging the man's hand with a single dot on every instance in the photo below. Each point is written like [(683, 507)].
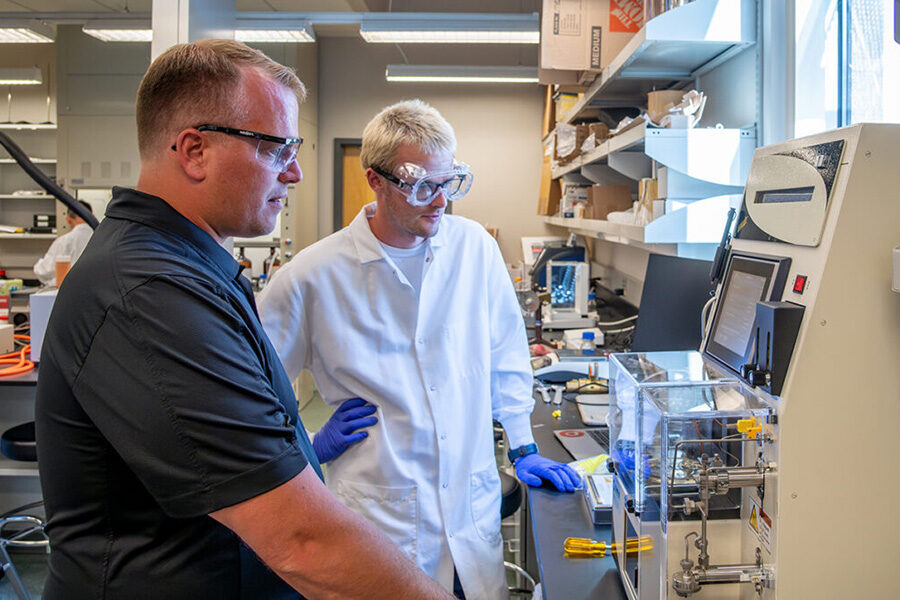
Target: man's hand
[(340, 432), (534, 469)]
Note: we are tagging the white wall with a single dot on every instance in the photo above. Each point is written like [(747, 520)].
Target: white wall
[(497, 127)]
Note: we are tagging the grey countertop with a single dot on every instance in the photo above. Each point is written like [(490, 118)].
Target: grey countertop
[(554, 516)]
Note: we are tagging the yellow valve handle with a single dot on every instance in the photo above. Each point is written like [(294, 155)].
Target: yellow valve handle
[(749, 426)]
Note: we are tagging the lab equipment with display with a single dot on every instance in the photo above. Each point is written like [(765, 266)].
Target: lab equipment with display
[(757, 466)]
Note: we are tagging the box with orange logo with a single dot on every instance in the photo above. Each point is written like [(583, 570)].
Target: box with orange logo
[(585, 35)]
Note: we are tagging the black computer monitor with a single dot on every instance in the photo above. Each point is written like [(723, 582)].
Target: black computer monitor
[(675, 290), (749, 278)]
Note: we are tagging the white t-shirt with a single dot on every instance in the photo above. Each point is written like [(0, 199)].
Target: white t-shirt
[(411, 261)]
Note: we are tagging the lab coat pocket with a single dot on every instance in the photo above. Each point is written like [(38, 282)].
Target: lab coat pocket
[(394, 510), (484, 492)]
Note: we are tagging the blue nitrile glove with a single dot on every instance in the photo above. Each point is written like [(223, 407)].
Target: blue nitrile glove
[(534, 468), (339, 433)]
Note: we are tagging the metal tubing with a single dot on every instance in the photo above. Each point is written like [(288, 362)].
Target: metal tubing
[(724, 573), (741, 440)]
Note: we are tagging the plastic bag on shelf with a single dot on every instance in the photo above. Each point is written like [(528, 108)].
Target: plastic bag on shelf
[(566, 136)]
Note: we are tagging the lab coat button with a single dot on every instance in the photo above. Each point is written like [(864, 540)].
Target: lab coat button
[(444, 485), (421, 341), (443, 436), (432, 388)]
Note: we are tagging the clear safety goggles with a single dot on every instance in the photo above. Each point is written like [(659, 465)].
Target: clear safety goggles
[(421, 187), (275, 152)]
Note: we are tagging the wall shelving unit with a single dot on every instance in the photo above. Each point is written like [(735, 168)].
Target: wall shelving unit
[(701, 170)]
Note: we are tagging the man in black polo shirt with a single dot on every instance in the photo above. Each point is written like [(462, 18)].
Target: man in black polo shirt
[(173, 463)]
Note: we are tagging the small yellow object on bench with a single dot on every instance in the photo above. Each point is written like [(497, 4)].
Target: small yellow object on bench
[(577, 546)]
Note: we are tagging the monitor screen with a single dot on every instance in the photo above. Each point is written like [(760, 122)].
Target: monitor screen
[(748, 280), (562, 285), (675, 290)]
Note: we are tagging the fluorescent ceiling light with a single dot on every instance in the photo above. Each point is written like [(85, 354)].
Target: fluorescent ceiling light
[(274, 30), (246, 30), (461, 74), (20, 76), (26, 126), (25, 31), (119, 30), (450, 28)]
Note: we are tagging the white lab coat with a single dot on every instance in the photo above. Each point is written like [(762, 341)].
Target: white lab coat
[(70, 244), (438, 370)]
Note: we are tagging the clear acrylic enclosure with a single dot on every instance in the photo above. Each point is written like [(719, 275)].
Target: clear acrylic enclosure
[(667, 409)]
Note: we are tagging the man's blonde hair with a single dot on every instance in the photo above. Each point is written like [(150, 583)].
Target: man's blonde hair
[(412, 122), (195, 84)]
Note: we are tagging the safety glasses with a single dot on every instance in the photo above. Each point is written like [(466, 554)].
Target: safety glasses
[(275, 152), (421, 187)]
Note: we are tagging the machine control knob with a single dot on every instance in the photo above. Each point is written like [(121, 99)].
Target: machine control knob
[(288, 241), (288, 254), (629, 505), (759, 377), (611, 466), (755, 375)]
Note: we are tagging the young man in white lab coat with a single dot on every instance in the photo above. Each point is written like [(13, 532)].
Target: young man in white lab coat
[(414, 312), (71, 244)]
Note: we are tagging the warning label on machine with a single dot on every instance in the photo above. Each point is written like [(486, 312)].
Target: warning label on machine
[(761, 524)]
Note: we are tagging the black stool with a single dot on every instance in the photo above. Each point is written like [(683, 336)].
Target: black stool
[(511, 493), (18, 443)]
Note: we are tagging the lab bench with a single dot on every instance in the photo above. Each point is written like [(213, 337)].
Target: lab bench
[(553, 516), (19, 482)]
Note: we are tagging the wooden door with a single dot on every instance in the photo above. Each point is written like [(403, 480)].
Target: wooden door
[(356, 191)]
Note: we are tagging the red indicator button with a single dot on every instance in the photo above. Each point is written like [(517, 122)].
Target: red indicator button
[(800, 284)]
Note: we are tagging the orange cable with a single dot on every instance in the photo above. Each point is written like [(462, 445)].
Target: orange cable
[(21, 365)]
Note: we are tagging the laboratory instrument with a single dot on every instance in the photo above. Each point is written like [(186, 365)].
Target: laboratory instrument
[(760, 466), (567, 283)]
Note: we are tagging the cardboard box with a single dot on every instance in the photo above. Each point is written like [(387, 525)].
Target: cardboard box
[(659, 102), (604, 199), (549, 120), (573, 195), (7, 341), (581, 133), (600, 131), (648, 190), (586, 34), (549, 192), (565, 101)]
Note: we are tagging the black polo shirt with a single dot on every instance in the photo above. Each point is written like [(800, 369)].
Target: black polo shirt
[(159, 401)]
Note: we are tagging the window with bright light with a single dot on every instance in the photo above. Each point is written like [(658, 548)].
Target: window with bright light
[(873, 62), (817, 69), (847, 64)]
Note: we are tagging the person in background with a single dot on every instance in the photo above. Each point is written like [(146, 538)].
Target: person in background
[(412, 313), (173, 463), (70, 244)]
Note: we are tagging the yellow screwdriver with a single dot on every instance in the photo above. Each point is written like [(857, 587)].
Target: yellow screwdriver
[(577, 546)]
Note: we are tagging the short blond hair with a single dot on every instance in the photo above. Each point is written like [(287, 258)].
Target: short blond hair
[(412, 122), (193, 84)]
